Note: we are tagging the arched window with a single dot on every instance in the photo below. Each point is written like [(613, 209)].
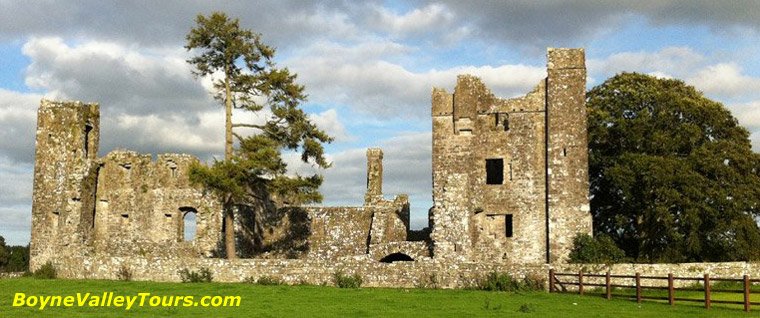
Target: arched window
[(189, 223)]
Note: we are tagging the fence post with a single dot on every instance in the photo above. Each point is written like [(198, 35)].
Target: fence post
[(580, 283), (746, 293), (638, 287), (707, 291), (609, 290), (671, 297), (551, 280)]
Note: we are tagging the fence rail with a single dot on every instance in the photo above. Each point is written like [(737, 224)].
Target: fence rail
[(578, 279)]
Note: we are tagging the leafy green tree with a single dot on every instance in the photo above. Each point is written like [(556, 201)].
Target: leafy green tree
[(4, 254), (247, 78), (673, 177), (597, 250), (18, 259)]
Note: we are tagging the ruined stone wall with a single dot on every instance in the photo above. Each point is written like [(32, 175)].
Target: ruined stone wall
[(567, 151), (509, 130), (122, 204), (64, 177), (141, 205), (501, 214), (510, 191), (424, 272)]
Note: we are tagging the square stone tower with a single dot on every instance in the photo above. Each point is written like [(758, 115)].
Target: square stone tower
[(65, 174), (510, 176)]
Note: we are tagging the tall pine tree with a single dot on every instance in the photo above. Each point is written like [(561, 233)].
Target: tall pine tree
[(247, 78)]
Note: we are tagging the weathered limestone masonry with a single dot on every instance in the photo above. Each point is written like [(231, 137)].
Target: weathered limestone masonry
[(510, 191), (122, 204), (510, 176)]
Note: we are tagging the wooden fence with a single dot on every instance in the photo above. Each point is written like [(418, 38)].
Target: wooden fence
[(579, 279)]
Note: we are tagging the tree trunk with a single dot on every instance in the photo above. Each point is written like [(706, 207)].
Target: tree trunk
[(229, 234), (229, 217)]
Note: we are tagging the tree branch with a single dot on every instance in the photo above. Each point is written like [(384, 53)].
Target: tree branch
[(248, 126)]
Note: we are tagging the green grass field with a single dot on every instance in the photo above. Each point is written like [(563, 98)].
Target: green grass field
[(319, 301)]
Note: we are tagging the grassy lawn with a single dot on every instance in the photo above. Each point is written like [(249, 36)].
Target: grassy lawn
[(319, 301)]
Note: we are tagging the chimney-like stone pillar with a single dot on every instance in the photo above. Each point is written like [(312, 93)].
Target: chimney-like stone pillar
[(374, 176)]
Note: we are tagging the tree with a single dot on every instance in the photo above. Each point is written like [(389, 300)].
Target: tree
[(4, 254), (595, 250), (673, 177), (18, 261), (248, 79)]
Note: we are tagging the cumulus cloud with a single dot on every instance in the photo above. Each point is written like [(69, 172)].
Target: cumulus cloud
[(18, 119), (17, 220), (417, 20), (755, 138), (538, 24), (123, 80), (336, 74), (748, 114), (16, 198), (330, 122), (165, 23), (669, 60), (726, 80)]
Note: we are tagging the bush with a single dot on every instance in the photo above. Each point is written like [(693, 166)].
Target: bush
[(124, 273), (202, 276), (527, 308), (264, 280), (598, 250), (532, 284), (495, 281), (46, 271), (345, 281)]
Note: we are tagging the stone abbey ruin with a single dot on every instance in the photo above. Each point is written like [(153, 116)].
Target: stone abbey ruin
[(510, 192)]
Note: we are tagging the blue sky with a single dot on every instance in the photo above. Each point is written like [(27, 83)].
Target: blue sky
[(368, 68)]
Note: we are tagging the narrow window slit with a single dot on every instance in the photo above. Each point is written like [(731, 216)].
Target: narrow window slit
[(87, 130)]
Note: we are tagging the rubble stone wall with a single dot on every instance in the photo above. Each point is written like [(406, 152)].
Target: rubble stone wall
[(510, 175), (510, 186)]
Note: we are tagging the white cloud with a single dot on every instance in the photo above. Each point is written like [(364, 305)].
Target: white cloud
[(748, 114), (16, 198), (18, 119), (16, 225), (385, 89), (725, 79), (419, 20), (121, 78), (721, 79), (330, 123), (669, 60)]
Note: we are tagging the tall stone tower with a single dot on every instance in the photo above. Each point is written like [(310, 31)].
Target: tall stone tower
[(510, 176), (374, 176), (65, 174), (567, 150)]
